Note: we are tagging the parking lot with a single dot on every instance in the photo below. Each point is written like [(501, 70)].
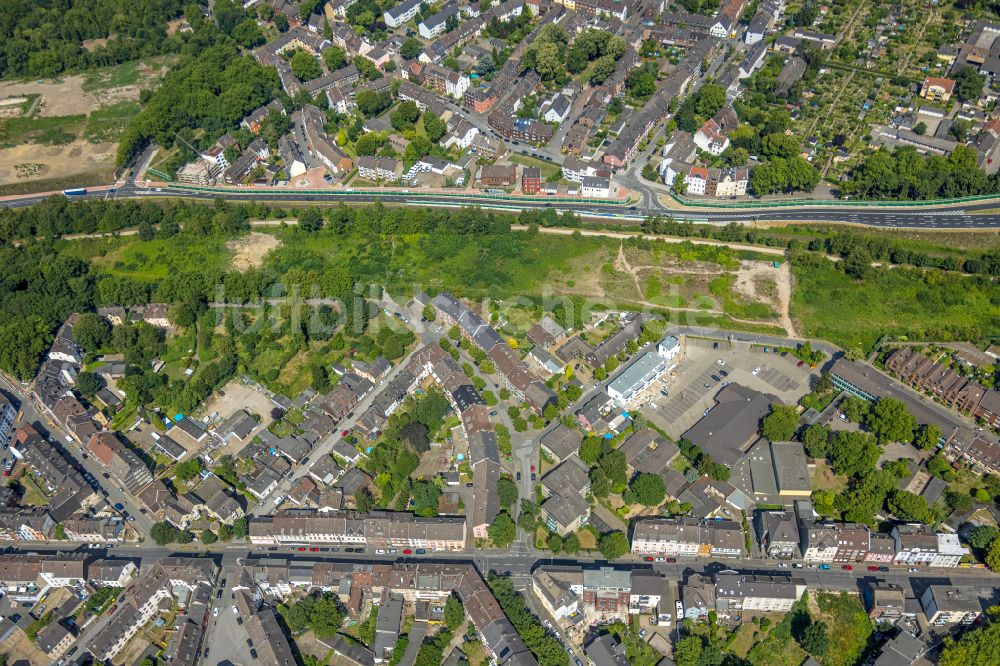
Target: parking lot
[(226, 638), (699, 377)]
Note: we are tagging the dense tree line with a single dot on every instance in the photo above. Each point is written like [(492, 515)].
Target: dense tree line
[(212, 91), (45, 37), (903, 174)]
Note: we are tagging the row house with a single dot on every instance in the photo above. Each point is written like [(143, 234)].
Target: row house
[(834, 542), (936, 378), (687, 537), (778, 534), (974, 449), (379, 529), (607, 592), (919, 544), (379, 168)]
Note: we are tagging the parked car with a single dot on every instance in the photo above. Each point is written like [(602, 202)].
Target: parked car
[(847, 567), (824, 566), (756, 371), (407, 551), (872, 568), (420, 551), (913, 570), (236, 611)]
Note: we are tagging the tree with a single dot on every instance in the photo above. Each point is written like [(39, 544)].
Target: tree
[(208, 537), (927, 437), (304, 66), (981, 536), (920, 128), (976, 646), (188, 469), (405, 115), (503, 531), (363, 500), (780, 424), (855, 409), (425, 498), (310, 219), (92, 332), (615, 466), (571, 544), (454, 613), (613, 545), (435, 128), (814, 639), (969, 84), (780, 145), (854, 453), (649, 489), (710, 98), (334, 58), (816, 439), (890, 421), (993, 555), (411, 48), (910, 507), (687, 651), (163, 533), (240, 528), (87, 383), (248, 34), (506, 492)]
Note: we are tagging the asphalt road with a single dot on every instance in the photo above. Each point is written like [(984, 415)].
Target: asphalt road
[(924, 218)]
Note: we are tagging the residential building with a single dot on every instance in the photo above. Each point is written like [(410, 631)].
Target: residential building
[(7, 415), (379, 168), (152, 594), (919, 544), (561, 442), (885, 601), (436, 23), (687, 537), (711, 138), (636, 378), (566, 509), (778, 534), (937, 89), (378, 529), (531, 180), (948, 605), (497, 176), (739, 593), (120, 461), (594, 187), (834, 542), (605, 650), (401, 13)]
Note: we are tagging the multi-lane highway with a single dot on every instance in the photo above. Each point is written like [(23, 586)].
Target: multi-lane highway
[(973, 216)]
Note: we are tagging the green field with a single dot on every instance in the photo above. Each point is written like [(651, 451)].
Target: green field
[(44, 130), (107, 123), (156, 259), (917, 304)]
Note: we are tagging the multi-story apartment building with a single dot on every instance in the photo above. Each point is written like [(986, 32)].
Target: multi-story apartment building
[(834, 542), (740, 593), (687, 537), (379, 529)]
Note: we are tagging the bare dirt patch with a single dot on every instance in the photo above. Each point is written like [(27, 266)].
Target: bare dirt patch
[(760, 281), (54, 162), (250, 250), (60, 97)]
